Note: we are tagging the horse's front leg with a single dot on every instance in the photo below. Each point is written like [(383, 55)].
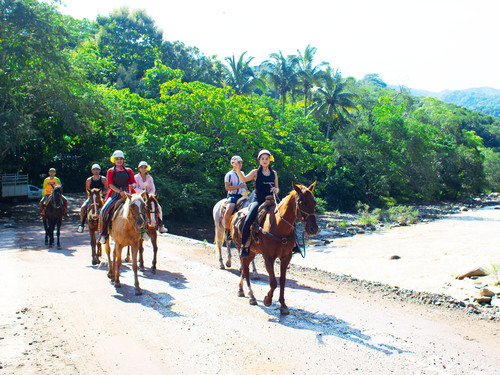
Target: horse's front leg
[(93, 245), (141, 252), (51, 234), (127, 259), (155, 251), (228, 248), (268, 299), (245, 275), (117, 256), (59, 234), (135, 250), (284, 261), (255, 274), (111, 272), (46, 227)]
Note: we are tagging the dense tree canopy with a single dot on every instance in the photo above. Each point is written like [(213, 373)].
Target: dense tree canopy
[(73, 91)]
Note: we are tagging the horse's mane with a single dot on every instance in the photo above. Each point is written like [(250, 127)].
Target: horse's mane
[(286, 201), (126, 207)]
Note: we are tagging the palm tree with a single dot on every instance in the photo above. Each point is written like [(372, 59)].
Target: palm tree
[(332, 101), (241, 76), (309, 74), (282, 73)]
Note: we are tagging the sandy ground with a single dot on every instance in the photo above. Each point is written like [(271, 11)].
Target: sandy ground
[(60, 315), (431, 254)]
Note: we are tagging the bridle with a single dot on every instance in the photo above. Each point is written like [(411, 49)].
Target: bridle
[(134, 217), (298, 209), (94, 210), (151, 209)]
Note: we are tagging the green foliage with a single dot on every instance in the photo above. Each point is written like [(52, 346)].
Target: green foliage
[(72, 91)]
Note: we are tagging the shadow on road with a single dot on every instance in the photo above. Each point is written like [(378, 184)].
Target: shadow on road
[(327, 325), (160, 302)]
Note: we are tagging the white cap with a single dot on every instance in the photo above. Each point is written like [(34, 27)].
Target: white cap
[(144, 164), (236, 158), (96, 166), (117, 154)]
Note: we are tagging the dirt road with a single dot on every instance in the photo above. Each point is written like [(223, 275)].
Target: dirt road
[(60, 315)]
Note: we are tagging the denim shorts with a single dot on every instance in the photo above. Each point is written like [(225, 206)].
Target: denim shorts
[(233, 198)]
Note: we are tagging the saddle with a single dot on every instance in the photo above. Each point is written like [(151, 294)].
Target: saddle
[(267, 207)]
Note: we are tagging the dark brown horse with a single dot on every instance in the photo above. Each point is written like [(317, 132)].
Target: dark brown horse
[(152, 209), (93, 210), (276, 239), (54, 212)]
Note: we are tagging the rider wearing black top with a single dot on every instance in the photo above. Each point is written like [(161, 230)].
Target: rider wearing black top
[(266, 183)]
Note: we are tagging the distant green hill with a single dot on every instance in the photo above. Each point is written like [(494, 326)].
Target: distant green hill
[(483, 99)]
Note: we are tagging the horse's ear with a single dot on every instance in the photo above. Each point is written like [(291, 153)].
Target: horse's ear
[(128, 195), (156, 194), (144, 195), (311, 188), (296, 188)]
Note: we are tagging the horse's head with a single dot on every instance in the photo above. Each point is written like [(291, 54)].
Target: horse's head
[(306, 205), (151, 207), (136, 207), (95, 202), (57, 196)]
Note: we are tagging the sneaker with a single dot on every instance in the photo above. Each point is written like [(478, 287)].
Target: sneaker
[(80, 228), (103, 239), (163, 230), (145, 236)]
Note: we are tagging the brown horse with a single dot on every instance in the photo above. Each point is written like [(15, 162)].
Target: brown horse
[(127, 224), (93, 210), (276, 239), (152, 208)]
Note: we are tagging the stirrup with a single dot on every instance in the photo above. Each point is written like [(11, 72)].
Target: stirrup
[(245, 252)]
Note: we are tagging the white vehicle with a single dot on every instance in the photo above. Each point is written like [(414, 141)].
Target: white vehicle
[(15, 186)]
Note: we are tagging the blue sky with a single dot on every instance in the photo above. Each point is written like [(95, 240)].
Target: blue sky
[(422, 44)]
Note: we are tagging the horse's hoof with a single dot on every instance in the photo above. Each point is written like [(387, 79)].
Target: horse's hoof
[(95, 262), (138, 292), (153, 270), (228, 264), (284, 310), (141, 268), (267, 301), (127, 260), (252, 301), (118, 284), (241, 293), (46, 243), (221, 266)]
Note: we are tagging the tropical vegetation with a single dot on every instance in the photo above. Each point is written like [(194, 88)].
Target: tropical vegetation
[(72, 91)]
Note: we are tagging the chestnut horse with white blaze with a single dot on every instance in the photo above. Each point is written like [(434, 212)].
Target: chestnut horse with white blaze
[(128, 222), (276, 239), (93, 210)]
